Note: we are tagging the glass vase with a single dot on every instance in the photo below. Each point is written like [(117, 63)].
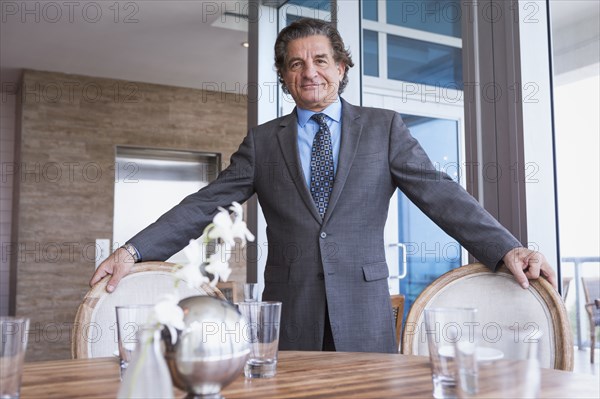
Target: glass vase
[(147, 375)]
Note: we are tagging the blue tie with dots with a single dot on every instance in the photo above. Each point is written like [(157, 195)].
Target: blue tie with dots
[(321, 165)]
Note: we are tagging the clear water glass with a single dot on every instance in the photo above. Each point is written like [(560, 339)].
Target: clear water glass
[(444, 328), (261, 329), (130, 320), (12, 355)]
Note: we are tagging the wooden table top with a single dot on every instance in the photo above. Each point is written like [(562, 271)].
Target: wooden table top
[(299, 375)]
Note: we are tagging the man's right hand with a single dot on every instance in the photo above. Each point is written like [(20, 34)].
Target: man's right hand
[(118, 265)]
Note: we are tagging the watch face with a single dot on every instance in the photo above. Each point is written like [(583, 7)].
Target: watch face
[(129, 248)]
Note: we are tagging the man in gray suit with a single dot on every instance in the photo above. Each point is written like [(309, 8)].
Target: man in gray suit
[(324, 183)]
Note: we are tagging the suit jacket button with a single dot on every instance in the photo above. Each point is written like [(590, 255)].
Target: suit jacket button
[(323, 235), (321, 276)]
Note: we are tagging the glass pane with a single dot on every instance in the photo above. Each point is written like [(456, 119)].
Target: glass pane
[(371, 53), (435, 16), (423, 62), (289, 18), (576, 96), (369, 10), (323, 5), (293, 10), (429, 251)]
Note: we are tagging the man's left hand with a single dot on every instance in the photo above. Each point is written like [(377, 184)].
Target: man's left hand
[(526, 264)]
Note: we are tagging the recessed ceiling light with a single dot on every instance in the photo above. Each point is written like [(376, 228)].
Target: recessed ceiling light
[(245, 44)]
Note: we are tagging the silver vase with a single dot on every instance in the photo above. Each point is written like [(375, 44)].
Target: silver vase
[(211, 351)]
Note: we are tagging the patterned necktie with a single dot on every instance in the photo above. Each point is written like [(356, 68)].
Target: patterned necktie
[(321, 165)]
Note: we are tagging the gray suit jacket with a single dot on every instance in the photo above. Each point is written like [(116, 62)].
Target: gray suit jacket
[(337, 263)]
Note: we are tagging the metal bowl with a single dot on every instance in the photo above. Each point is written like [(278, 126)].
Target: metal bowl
[(211, 351)]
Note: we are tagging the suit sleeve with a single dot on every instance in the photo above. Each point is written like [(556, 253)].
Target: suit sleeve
[(187, 220), (444, 201)]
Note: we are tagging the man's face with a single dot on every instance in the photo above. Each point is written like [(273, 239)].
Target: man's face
[(311, 75)]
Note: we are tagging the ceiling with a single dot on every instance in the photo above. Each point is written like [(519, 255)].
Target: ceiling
[(179, 43), (193, 43)]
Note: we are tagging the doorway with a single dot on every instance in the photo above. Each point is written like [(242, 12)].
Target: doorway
[(149, 182)]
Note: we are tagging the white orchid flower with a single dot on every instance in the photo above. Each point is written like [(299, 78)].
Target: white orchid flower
[(195, 252), (221, 227), (191, 275), (239, 228), (218, 263), (238, 211), (168, 313)]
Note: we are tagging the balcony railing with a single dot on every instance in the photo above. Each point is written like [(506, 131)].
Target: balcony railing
[(574, 278)]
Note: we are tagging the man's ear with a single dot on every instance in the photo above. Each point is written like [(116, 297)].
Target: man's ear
[(282, 81), (341, 69)]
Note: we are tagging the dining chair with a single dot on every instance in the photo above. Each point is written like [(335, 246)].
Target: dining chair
[(94, 330), (509, 317), (230, 291), (566, 284), (398, 311), (591, 289)]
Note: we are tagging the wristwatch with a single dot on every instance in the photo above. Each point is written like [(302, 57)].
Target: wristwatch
[(132, 251)]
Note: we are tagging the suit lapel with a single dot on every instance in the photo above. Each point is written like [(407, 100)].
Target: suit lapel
[(288, 141), (351, 131)]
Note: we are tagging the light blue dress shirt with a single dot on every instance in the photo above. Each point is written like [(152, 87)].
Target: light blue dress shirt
[(308, 128)]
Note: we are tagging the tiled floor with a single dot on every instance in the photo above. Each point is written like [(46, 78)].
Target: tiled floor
[(582, 362)]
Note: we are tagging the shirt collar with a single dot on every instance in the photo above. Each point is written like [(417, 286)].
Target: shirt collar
[(333, 111)]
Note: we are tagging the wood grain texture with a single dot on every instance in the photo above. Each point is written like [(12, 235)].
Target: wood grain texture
[(563, 359), (299, 375), (70, 127), (398, 309)]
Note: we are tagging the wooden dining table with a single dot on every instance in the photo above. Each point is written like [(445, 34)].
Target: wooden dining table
[(299, 375)]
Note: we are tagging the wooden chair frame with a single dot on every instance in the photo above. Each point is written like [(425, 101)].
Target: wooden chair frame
[(231, 291), (398, 309), (83, 318), (560, 321)]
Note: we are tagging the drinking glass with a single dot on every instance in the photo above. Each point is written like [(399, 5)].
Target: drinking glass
[(514, 378), (262, 331), (130, 319), (467, 367), (12, 355), (444, 328)]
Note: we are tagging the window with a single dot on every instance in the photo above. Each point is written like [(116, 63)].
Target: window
[(435, 16), (423, 62), (369, 10), (576, 97), (412, 64), (371, 53), (429, 251)]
